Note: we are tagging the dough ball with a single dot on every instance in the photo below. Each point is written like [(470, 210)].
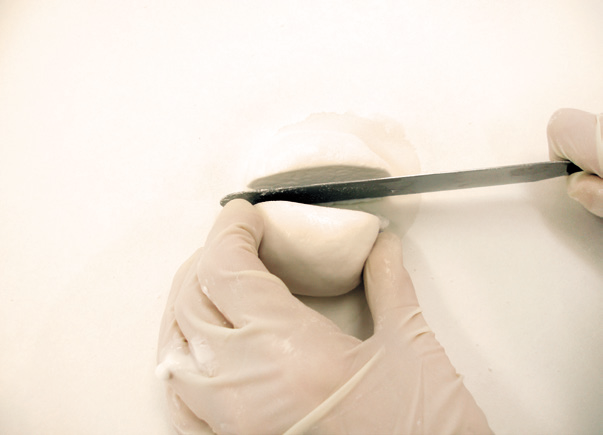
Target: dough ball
[(316, 251), (338, 147), (331, 147)]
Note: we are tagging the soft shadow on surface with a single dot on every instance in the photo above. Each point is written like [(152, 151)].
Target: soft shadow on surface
[(579, 229), (349, 311)]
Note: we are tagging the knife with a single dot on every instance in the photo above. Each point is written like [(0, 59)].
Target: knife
[(409, 184)]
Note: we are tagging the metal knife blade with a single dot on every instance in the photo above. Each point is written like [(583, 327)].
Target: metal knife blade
[(410, 184)]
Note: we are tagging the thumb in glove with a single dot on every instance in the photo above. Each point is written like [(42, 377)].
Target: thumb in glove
[(577, 136)]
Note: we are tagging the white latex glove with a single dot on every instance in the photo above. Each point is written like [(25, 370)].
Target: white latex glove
[(578, 136), (242, 355)]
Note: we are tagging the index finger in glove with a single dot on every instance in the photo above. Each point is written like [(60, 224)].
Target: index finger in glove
[(577, 136), (231, 274)]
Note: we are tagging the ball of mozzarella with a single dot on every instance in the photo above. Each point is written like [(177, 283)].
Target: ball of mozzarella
[(316, 251), (320, 251)]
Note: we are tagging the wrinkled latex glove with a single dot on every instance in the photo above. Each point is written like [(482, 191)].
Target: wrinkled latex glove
[(240, 354), (578, 136)]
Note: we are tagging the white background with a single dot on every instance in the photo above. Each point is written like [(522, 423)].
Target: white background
[(122, 124)]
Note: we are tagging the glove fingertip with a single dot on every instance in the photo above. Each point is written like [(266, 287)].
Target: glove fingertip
[(573, 135), (238, 214)]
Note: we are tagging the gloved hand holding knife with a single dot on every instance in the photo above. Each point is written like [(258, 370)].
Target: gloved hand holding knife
[(577, 136)]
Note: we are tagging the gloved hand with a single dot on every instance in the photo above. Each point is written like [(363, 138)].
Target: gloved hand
[(578, 136), (242, 355)]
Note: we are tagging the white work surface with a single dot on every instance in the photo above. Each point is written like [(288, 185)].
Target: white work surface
[(122, 123)]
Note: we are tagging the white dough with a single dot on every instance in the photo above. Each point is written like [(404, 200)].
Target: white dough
[(316, 251), (336, 147), (330, 147)]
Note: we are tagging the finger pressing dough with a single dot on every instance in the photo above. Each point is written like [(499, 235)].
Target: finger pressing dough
[(316, 251)]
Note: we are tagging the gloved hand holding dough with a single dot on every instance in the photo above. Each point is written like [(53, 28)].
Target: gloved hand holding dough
[(316, 251), (577, 136), (240, 354)]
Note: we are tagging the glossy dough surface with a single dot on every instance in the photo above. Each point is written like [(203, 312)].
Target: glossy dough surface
[(316, 251)]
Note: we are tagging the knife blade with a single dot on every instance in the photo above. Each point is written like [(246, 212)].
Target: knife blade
[(409, 184)]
